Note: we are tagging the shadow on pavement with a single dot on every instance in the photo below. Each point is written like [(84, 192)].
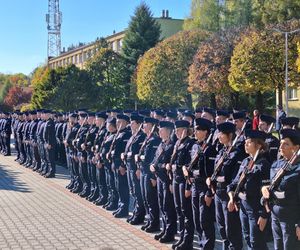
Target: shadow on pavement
[(9, 181)]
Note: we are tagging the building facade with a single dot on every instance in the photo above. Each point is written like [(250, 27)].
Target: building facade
[(293, 101), (81, 54)]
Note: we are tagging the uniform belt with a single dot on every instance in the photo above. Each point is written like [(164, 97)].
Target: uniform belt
[(221, 185), (279, 195), (242, 195)]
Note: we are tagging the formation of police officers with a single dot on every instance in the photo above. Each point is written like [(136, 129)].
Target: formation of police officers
[(189, 169)]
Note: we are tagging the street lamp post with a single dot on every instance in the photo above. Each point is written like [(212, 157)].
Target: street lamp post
[(286, 34)]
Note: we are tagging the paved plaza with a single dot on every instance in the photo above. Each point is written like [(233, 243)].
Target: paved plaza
[(39, 213)]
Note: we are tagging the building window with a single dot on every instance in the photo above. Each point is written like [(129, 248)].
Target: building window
[(80, 58), (292, 94)]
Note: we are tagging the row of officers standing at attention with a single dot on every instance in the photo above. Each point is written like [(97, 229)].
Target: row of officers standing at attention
[(194, 171)]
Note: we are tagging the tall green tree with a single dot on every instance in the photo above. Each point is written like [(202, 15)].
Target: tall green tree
[(162, 73), (205, 14), (213, 15), (258, 63), (275, 11), (64, 89), (237, 13), (109, 71), (210, 68), (142, 34)]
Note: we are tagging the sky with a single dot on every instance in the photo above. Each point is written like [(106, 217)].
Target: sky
[(23, 28)]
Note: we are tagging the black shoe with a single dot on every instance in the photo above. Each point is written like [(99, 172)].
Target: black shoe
[(92, 197), (177, 243), (152, 229), (70, 186), (167, 239), (49, 175), (117, 211), (185, 246), (130, 218), (76, 190), (145, 226), (106, 204), (84, 194), (158, 236), (100, 202), (121, 214), (136, 221), (112, 207)]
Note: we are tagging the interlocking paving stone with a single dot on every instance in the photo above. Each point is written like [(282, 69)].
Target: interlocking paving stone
[(39, 213)]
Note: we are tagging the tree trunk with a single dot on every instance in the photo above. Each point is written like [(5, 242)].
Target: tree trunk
[(279, 96), (213, 103), (259, 102), (234, 99), (189, 101)]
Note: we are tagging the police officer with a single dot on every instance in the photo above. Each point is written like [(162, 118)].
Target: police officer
[(165, 197), (20, 127), (221, 117), (148, 179), (245, 190), (100, 171), (240, 121), (15, 122), (36, 161), (201, 167), (49, 139), (105, 160), (284, 198), (71, 132), (182, 199), (6, 128), (290, 122), (82, 154), (41, 143), (60, 149), (26, 140), (132, 148), (118, 166), (87, 146), (228, 222), (265, 123)]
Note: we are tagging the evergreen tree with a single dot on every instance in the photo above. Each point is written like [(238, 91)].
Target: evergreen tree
[(205, 14), (142, 34)]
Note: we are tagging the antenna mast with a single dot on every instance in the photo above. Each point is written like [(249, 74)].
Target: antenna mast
[(54, 20)]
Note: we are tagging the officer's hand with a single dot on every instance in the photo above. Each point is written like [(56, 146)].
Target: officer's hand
[(138, 173), (207, 200), (107, 156), (122, 171), (265, 192), (136, 158), (152, 168), (262, 222), (99, 165), (298, 232), (82, 146), (122, 156), (231, 206), (208, 182), (185, 172), (168, 166), (153, 182), (187, 193)]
